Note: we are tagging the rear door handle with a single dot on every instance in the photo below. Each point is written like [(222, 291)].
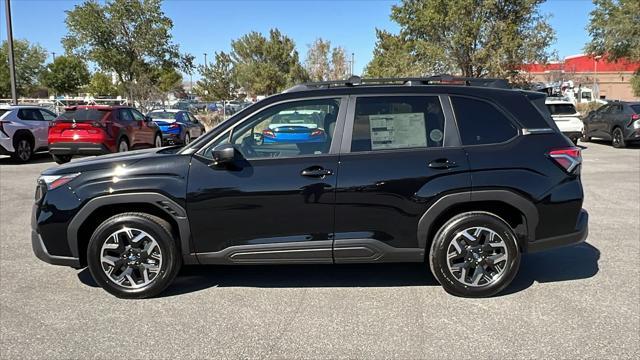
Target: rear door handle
[(316, 172), (442, 164)]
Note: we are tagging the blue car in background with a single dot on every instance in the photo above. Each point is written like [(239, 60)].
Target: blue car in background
[(177, 126), (294, 128)]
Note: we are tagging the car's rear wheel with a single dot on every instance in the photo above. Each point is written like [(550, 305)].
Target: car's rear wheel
[(133, 255), (123, 145), (23, 149), (474, 254), (618, 138), (61, 159)]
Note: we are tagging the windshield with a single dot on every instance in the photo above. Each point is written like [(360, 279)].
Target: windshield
[(162, 115), (83, 115), (561, 109)]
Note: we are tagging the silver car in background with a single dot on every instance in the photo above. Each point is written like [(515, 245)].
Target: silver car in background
[(24, 130)]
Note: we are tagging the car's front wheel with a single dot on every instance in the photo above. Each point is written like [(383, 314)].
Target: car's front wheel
[(157, 141), (133, 255), (474, 254)]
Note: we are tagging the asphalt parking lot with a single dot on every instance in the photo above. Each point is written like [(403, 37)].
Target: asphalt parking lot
[(576, 302)]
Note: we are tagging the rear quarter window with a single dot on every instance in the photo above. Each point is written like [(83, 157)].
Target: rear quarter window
[(481, 123), (635, 108)]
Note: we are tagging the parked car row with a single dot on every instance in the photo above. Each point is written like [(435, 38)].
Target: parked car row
[(91, 130)]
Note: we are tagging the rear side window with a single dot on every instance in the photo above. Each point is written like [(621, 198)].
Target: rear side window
[(397, 122), (83, 115), (481, 123), (561, 109), (635, 108), (29, 114)]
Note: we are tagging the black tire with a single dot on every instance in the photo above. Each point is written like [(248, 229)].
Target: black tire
[(61, 159), (158, 230), (187, 139), (123, 145), (23, 147), (584, 137), (575, 141), (451, 230), (157, 140), (617, 139)]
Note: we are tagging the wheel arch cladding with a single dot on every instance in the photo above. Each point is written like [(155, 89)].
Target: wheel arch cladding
[(23, 133), (101, 208), (514, 209)]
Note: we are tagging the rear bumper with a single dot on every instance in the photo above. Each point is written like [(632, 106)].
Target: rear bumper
[(572, 134), (78, 148), (171, 139), (579, 235)]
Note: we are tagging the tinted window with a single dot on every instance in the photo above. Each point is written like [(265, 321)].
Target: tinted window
[(181, 118), (263, 135), (561, 109), (165, 115), (48, 115), (29, 114), (137, 115), (397, 122), (480, 122), (635, 108), (83, 115), (125, 115)]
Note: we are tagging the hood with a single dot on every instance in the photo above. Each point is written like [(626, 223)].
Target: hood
[(110, 160)]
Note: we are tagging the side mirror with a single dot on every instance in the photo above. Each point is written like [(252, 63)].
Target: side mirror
[(225, 154), (148, 119)]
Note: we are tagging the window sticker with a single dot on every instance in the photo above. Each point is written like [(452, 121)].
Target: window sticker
[(393, 131)]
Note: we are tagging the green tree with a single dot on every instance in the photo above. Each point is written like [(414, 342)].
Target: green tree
[(131, 38), (169, 80), (65, 75), (317, 63), (468, 37), (339, 69), (218, 80), (392, 57), (29, 64), (265, 66), (101, 84), (615, 33)]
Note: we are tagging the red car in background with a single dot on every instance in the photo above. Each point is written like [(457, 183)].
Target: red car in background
[(96, 130)]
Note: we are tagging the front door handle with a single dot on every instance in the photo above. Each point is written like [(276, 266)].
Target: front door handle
[(442, 164), (316, 172)]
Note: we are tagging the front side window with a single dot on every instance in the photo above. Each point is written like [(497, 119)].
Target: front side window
[(125, 116), (137, 115), (47, 115), (287, 130), (480, 122), (397, 122)]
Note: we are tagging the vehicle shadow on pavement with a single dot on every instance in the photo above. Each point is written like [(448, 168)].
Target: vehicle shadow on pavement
[(571, 263), (562, 264), (38, 158)]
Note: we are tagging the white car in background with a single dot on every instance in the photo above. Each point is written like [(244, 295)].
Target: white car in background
[(566, 116), (24, 130)]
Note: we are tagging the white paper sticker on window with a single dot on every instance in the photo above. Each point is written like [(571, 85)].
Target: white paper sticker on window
[(393, 131)]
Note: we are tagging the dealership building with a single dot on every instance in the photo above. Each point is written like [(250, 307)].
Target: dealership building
[(609, 80)]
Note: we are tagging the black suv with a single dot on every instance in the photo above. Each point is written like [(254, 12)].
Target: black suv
[(462, 174), (618, 121)]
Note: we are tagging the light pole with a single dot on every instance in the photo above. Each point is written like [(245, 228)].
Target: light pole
[(12, 66), (205, 60), (53, 53), (352, 62), (595, 77)]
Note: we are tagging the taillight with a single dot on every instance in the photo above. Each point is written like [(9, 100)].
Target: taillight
[(635, 121), (53, 129), (174, 126), (268, 133), (567, 158), (317, 132)]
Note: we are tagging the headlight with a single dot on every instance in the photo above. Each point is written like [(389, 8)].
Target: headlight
[(54, 181)]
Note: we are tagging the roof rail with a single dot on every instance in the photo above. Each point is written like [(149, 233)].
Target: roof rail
[(408, 81)]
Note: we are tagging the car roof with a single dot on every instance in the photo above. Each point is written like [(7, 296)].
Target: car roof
[(11, 107), (167, 110)]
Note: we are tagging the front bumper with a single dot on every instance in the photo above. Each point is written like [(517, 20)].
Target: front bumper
[(78, 148), (41, 253), (579, 235)]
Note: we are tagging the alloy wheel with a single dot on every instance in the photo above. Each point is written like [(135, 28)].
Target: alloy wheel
[(131, 258), (158, 142), (617, 137), (477, 256), (187, 139), (24, 150), (123, 147)]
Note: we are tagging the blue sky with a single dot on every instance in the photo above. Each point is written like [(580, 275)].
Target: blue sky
[(206, 26)]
